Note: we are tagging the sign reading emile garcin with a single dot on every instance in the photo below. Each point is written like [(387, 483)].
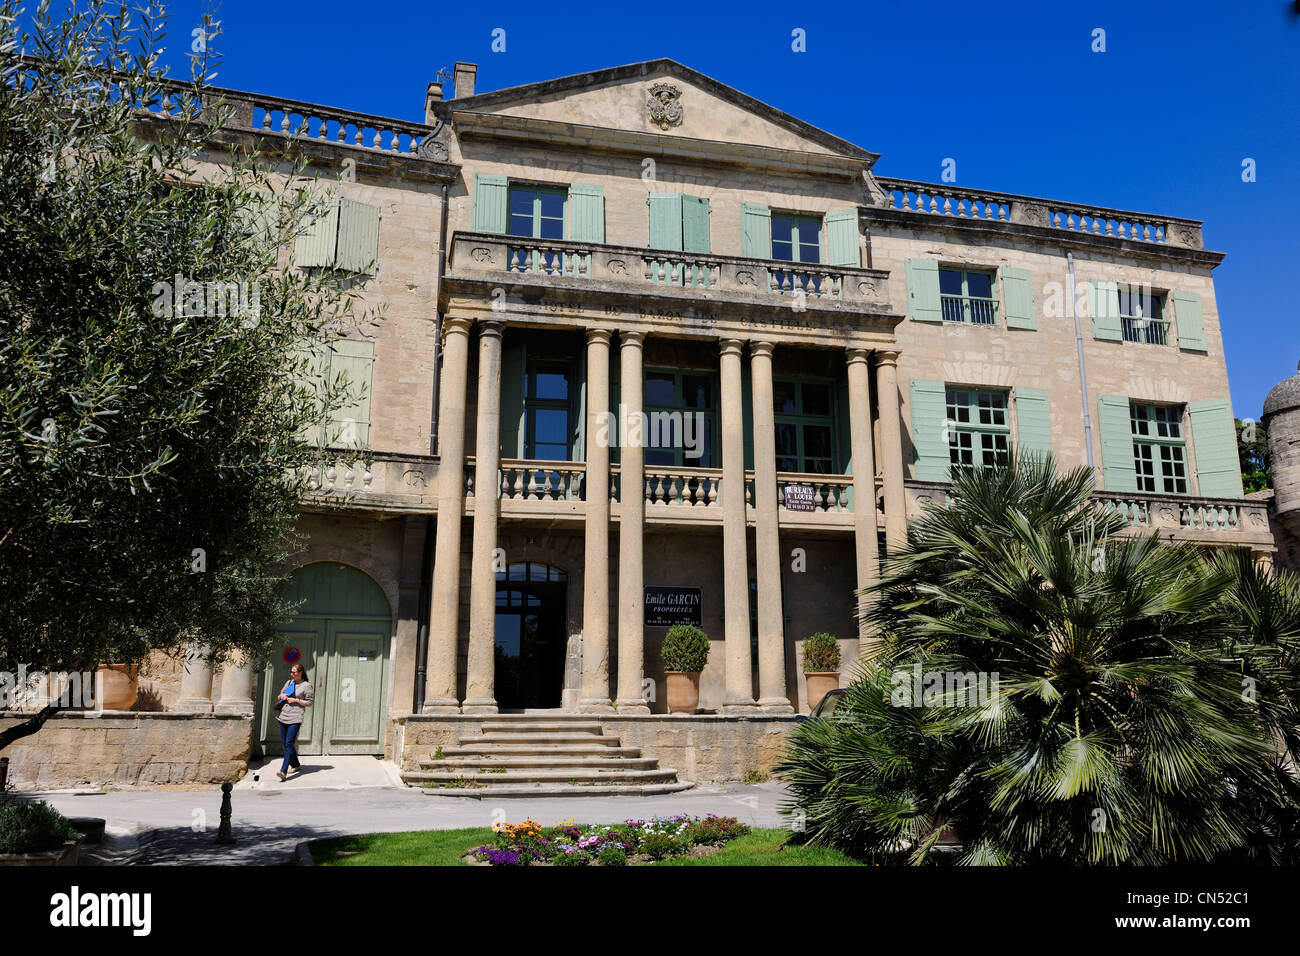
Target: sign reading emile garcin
[(666, 606)]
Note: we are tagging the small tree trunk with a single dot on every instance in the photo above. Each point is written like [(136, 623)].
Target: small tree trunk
[(29, 726)]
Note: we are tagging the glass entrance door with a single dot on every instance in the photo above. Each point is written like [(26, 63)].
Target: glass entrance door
[(530, 636)]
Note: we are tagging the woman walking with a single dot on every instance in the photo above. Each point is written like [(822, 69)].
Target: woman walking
[(295, 698)]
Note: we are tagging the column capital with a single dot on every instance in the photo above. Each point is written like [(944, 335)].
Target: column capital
[(886, 358), (631, 337), (599, 335), (491, 327), (456, 325), (761, 348), (731, 346), (856, 355)]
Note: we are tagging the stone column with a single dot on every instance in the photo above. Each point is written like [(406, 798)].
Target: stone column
[(865, 526), (767, 541), (444, 612), (891, 450), (237, 688), (480, 680), (196, 681), (595, 582), (631, 527), (735, 564)]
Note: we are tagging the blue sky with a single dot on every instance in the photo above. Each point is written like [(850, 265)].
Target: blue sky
[(1159, 122)]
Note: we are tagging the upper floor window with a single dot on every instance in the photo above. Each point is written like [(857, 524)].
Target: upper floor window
[(805, 427), (679, 411), (537, 212), (1141, 316), (547, 409), (1159, 450), (967, 296), (979, 432), (796, 238)]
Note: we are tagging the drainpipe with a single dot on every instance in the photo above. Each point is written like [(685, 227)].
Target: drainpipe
[(426, 559), (1083, 371)]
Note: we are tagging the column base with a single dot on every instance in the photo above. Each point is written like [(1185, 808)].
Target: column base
[(595, 706), (234, 708), (479, 705), (194, 705), (636, 705), (775, 705), (442, 705), (740, 707)]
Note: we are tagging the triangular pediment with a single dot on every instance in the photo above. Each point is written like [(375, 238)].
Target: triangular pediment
[(661, 97)]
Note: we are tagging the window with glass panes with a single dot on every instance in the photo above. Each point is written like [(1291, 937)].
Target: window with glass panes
[(547, 409), (1159, 451), (967, 296), (535, 212), (1141, 316), (679, 406), (979, 432), (796, 238), (805, 426)]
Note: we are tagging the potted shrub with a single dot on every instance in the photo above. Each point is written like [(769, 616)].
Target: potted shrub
[(821, 666), (685, 652), (35, 834)]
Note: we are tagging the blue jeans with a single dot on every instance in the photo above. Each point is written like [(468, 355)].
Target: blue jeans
[(289, 737)]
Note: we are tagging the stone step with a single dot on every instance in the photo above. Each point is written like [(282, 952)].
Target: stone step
[(537, 762), (555, 738), (540, 750), (491, 726), (571, 777), (541, 790)]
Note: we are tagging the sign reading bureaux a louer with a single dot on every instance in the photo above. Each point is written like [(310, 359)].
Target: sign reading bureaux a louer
[(666, 606), (800, 498)]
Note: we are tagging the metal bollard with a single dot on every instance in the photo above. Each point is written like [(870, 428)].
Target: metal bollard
[(223, 831)]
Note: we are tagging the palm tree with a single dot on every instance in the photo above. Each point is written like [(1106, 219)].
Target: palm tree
[(1118, 729)]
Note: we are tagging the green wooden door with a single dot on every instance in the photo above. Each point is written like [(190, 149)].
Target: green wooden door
[(358, 655), (307, 636)]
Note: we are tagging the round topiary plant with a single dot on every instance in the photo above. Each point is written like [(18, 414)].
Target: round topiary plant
[(686, 648), (821, 653)]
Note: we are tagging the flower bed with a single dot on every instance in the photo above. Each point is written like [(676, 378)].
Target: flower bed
[(630, 843)]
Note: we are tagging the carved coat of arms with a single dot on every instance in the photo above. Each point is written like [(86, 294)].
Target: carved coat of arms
[(664, 105)]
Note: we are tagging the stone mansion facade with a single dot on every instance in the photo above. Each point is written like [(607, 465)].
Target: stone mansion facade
[(806, 348)]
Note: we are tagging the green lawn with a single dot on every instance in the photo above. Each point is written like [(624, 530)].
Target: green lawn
[(446, 847)]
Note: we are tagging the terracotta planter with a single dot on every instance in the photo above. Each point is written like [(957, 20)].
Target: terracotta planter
[(65, 855), (683, 691), (820, 683), (121, 686)]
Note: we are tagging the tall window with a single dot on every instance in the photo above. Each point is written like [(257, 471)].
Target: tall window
[(967, 296), (1141, 316), (805, 427), (547, 412), (979, 434), (679, 409), (1159, 452), (796, 238), (536, 212)]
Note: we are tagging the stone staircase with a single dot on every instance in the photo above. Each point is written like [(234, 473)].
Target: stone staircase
[(542, 755)]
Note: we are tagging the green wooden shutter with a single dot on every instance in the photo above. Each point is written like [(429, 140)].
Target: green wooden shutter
[(1215, 434), (358, 248), (259, 219), (315, 245), (490, 202), (349, 426), (1191, 321), (312, 364), (1117, 471), (1018, 293), (842, 238), (1104, 303), (665, 221), (929, 408), (923, 303), (1033, 421), (586, 213), (695, 224), (755, 231), (512, 400)]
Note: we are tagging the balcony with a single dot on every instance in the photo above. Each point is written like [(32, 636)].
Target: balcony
[(625, 269), (1215, 521)]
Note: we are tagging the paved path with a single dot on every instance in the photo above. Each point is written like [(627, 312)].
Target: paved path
[(178, 827)]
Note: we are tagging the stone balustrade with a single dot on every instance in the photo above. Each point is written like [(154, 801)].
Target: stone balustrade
[(932, 199), (386, 481), (475, 254)]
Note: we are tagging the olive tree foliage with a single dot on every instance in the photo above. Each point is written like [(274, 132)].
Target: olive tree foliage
[(153, 439)]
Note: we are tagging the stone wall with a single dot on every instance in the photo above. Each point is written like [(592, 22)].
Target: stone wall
[(124, 749)]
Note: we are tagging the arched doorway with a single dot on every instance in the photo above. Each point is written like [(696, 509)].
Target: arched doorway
[(340, 633), (530, 636)]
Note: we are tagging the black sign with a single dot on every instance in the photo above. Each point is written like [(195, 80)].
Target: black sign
[(800, 498), (665, 607)]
